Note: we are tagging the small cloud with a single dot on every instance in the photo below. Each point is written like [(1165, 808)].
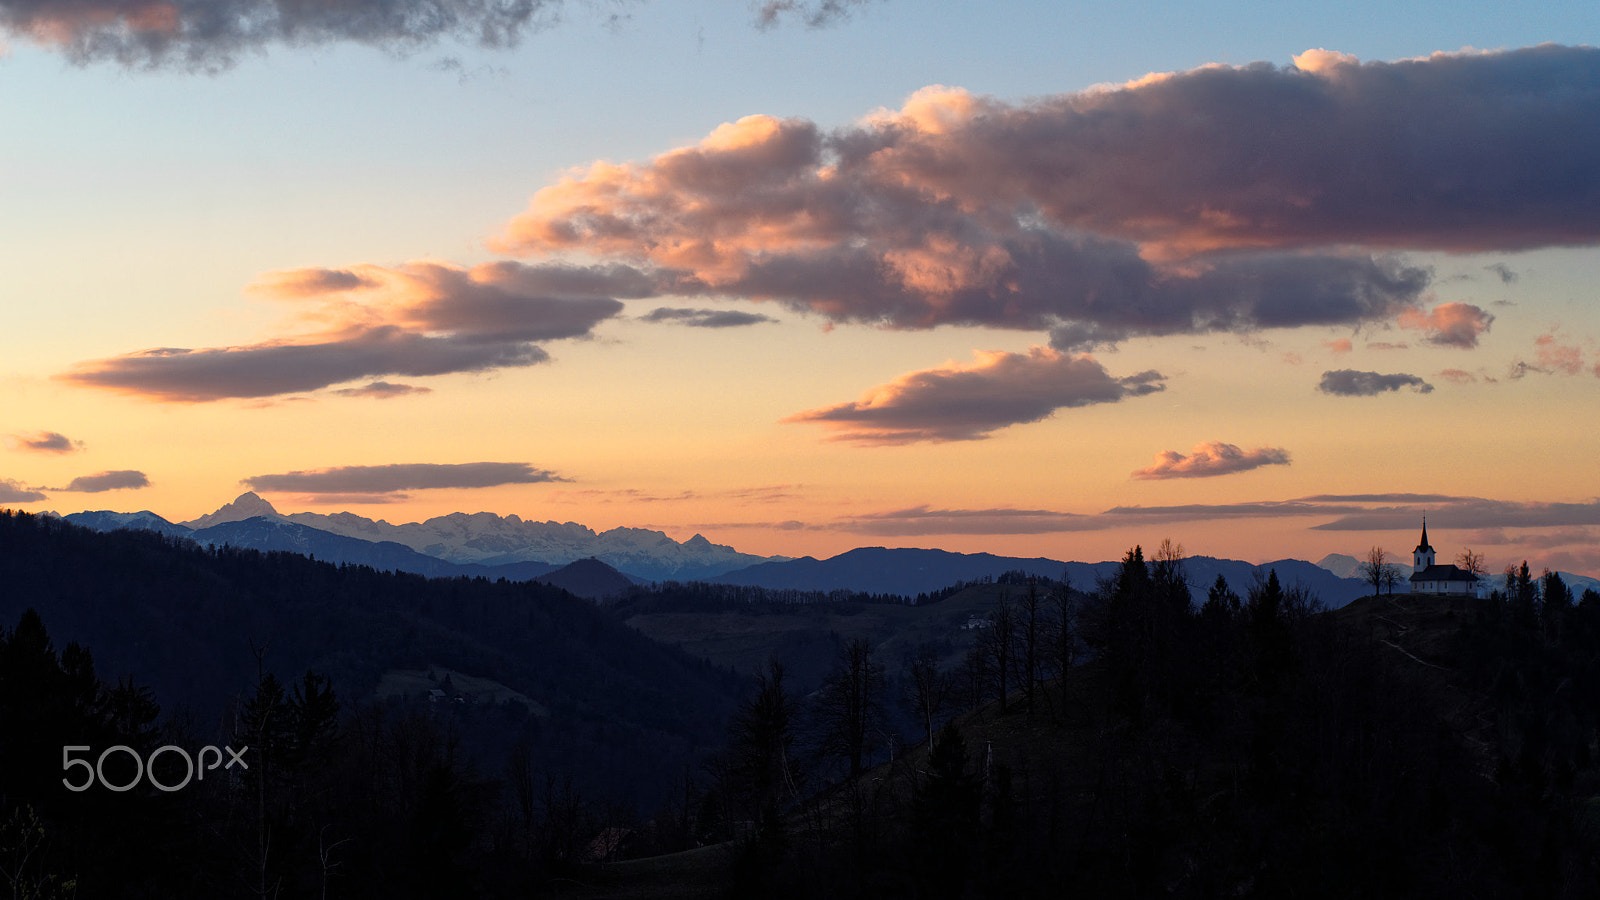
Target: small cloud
[(1351, 383), (1212, 458), (121, 479), (1459, 376), (43, 442), (369, 480), (1505, 272), (1555, 356), (14, 492), (383, 390), (1521, 369), (1338, 345), (1387, 345), (956, 402), (705, 318), (1449, 324), (815, 14)]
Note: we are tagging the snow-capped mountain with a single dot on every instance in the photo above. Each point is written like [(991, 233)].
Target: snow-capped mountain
[(469, 539)]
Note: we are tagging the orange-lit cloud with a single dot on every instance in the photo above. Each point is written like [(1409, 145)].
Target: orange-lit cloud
[(43, 442), (1211, 458), (957, 402), (387, 479), (1123, 211), (1338, 345), (1351, 383), (415, 320), (1449, 324)]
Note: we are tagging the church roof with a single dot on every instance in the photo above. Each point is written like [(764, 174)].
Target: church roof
[(1424, 545), (1444, 573)]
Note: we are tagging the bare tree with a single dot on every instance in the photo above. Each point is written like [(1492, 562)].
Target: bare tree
[(1473, 562), (1374, 568), (927, 688), (999, 645), (850, 704)]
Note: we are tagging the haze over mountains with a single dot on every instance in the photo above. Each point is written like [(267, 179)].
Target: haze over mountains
[(495, 546)]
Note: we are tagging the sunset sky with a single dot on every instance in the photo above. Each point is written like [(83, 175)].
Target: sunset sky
[(1032, 278)]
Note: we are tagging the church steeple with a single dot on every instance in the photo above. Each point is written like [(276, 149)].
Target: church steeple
[(1422, 557)]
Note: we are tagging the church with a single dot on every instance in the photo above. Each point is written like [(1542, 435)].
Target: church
[(1427, 577)]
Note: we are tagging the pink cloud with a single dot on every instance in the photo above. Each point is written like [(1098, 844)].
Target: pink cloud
[(1338, 345), (413, 320), (1211, 458), (1449, 324), (964, 402), (1555, 356), (1117, 212)]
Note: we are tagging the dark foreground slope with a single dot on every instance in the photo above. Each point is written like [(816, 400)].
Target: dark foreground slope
[(187, 622), (1402, 747)]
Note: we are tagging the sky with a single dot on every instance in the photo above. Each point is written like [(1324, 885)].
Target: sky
[(1031, 278)]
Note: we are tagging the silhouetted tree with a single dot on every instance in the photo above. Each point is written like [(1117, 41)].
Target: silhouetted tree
[(850, 705)]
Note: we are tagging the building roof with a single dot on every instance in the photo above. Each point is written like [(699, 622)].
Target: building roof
[(1444, 573), (1424, 545)]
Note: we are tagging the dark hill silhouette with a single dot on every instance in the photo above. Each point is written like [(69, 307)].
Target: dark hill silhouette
[(589, 578)]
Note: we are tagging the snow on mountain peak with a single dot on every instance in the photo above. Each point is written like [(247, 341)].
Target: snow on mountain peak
[(247, 505)]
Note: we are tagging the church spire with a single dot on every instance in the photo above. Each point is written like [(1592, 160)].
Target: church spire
[(1424, 545)]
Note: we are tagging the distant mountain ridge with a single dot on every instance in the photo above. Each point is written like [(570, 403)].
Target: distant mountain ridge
[(457, 544), (909, 572)]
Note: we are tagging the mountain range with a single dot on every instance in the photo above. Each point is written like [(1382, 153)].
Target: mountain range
[(470, 544), (494, 546)]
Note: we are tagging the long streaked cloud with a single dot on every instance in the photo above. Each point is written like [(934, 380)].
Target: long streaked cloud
[(43, 442), (13, 491), (414, 320), (383, 390), (1353, 383), (1209, 459), (212, 34), (116, 480), (705, 318), (387, 479), (965, 402), (1475, 519), (1151, 208)]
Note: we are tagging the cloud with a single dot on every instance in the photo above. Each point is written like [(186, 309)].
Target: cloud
[(14, 492), (211, 34), (1449, 324), (120, 479), (1505, 273), (366, 480), (415, 320), (1219, 199), (1211, 458), (818, 14), (1339, 345), (1470, 512), (705, 318), (43, 442), (1459, 376), (921, 520), (957, 402), (1555, 356), (1351, 383), (383, 390)]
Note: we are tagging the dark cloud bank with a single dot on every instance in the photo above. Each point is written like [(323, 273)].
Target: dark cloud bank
[(401, 477)]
